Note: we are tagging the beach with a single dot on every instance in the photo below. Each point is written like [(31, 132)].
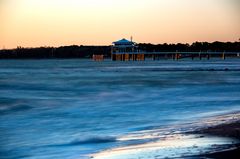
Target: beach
[(215, 137)]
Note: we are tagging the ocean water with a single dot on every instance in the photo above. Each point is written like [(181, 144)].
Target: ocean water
[(69, 109)]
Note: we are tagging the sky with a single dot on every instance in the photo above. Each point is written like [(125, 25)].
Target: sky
[(34, 23)]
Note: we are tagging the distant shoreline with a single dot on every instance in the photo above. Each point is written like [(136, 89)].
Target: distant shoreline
[(80, 51)]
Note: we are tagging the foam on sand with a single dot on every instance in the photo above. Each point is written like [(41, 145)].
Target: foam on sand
[(172, 144)]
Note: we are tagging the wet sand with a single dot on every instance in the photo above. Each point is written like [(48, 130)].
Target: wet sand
[(224, 130), (231, 130)]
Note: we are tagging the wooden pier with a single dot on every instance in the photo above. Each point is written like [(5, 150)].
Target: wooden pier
[(141, 56), (125, 50)]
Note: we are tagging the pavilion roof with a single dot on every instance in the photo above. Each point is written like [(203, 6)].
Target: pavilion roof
[(123, 42)]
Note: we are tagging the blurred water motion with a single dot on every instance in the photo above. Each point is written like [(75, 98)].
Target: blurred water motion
[(73, 108)]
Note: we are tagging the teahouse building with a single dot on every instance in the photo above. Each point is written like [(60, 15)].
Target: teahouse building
[(123, 46), (125, 50)]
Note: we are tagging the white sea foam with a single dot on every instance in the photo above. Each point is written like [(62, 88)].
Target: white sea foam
[(172, 146), (176, 144)]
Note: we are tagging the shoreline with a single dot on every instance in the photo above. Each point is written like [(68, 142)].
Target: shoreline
[(231, 130), (214, 137)]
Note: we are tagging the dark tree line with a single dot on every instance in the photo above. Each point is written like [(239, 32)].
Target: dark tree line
[(195, 47), (75, 51)]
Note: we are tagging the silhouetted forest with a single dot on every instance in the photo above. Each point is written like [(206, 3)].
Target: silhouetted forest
[(195, 47), (67, 52), (75, 51)]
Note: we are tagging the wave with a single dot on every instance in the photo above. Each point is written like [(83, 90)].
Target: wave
[(91, 140), (15, 108), (94, 140)]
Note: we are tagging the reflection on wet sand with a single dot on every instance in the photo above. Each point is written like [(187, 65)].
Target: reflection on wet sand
[(173, 143)]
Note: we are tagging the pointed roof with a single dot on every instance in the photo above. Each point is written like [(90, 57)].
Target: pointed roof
[(123, 42)]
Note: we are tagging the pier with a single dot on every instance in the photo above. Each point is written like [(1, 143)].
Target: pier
[(124, 50), (141, 56)]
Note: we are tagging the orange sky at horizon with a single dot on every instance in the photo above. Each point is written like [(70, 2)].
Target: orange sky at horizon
[(34, 23)]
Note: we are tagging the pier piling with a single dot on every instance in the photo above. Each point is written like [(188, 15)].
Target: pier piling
[(208, 56), (192, 57), (223, 56)]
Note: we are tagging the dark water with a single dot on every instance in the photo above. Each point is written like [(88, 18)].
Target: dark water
[(69, 108)]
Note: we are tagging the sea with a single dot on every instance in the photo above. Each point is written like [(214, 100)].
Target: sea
[(78, 108)]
